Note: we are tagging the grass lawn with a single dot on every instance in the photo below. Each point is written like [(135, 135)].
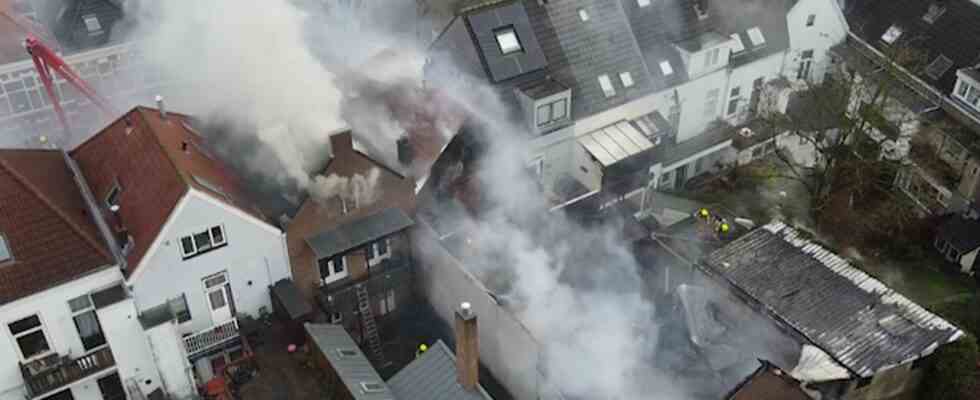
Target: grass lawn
[(922, 281)]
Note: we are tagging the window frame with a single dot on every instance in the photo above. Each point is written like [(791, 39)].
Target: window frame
[(182, 299), (114, 194), (734, 97), (88, 309), (665, 68), (756, 36), (550, 109), (605, 84), (40, 327), (643, 3), (503, 33), (214, 245), (626, 79), (810, 19), (711, 102), (5, 245)]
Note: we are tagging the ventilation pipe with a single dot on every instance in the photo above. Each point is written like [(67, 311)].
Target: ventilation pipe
[(161, 107), (467, 348)]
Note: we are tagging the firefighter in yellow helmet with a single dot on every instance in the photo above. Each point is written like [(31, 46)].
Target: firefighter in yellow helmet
[(422, 348), (703, 213), (724, 228)]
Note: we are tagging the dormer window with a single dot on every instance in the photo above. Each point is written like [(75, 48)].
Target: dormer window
[(665, 68), (5, 254), (738, 45), (507, 40), (643, 3), (935, 11), (755, 36), (968, 93), (892, 34), (552, 112)]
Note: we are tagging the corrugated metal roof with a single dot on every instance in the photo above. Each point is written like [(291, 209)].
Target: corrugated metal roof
[(354, 369), (433, 377), (359, 232), (615, 142), (860, 322)]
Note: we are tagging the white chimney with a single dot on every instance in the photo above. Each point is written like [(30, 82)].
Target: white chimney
[(161, 107)]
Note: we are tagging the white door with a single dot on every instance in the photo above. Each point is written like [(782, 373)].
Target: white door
[(219, 299)]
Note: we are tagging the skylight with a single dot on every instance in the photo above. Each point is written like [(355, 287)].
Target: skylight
[(665, 68), (372, 387), (755, 35), (643, 3), (892, 34), (5, 254), (739, 46), (92, 23), (939, 66), (935, 11), (606, 85), (507, 40), (582, 14), (626, 78)]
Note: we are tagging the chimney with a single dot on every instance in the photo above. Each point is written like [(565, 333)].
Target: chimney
[(341, 142), (161, 107), (404, 150), (467, 348)]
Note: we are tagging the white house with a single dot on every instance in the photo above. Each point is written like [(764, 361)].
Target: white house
[(69, 327), (194, 244), (653, 88)]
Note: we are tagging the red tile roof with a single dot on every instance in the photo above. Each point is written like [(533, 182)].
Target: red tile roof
[(45, 223), (154, 161)]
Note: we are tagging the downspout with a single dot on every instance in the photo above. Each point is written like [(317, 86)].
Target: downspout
[(95, 211)]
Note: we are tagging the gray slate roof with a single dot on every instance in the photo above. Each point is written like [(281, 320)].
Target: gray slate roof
[(864, 325), (359, 232), (353, 370), (433, 377)]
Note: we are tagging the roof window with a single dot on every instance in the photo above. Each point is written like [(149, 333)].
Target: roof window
[(507, 40), (938, 67), (606, 84), (582, 14), (665, 68), (935, 11), (112, 199), (372, 387), (347, 353), (892, 34), (626, 78), (755, 36), (92, 23), (643, 3), (5, 254), (739, 46)]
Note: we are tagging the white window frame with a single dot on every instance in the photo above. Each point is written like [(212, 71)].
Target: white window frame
[(214, 244), (626, 79), (734, 96), (332, 276), (583, 14), (606, 85), (41, 325), (892, 35), (665, 68), (739, 46), (549, 108), (756, 37), (374, 258), (507, 40), (711, 102), (5, 245), (91, 307), (92, 24)]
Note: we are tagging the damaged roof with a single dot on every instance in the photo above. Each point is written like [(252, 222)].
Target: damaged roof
[(769, 383), (864, 325), (432, 376)]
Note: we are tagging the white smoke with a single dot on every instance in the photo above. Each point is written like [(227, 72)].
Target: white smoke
[(358, 190)]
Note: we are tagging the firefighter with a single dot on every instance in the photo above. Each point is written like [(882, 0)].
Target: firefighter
[(422, 348), (703, 213), (724, 227)]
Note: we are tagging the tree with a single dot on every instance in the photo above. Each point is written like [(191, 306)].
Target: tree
[(953, 373)]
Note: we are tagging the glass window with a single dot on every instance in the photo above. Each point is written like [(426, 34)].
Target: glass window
[(112, 199), (178, 306), (711, 102), (112, 388), (217, 235), (892, 34), (23, 325), (5, 253), (810, 19), (89, 329), (338, 264), (324, 265), (217, 298), (29, 335), (626, 79), (643, 3), (583, 14), (202, 241), (507, 40), (962, 89), (755, 36), (606, 84), (187, 245), (665, 68), (558, 109), (20, 102), (92, 23), (738, 45), (381, 248), (544, 114)]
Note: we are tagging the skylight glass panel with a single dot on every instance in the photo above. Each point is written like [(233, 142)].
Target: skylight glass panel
[(4, 250), (739, 46), (755, 35), (665, 68), (92, 23), (507, 40), (606, 84), (892, 34), (939, 66), (583, 15), (626, 78), (935, 11), (643, 3)]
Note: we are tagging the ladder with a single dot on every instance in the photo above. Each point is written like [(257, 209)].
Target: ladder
[(370, 330)]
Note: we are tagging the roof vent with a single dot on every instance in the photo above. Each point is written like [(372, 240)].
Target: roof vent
[(746, 132)]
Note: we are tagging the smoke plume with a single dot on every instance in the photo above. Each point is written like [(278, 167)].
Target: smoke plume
[(359, 190)]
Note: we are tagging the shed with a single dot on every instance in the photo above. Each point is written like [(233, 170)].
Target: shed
[(349, 374), (291, 308)]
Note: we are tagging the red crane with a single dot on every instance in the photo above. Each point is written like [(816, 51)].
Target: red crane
[(46, 61)]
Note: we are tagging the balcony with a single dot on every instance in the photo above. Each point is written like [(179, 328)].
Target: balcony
[(211, 338), (46, 375)]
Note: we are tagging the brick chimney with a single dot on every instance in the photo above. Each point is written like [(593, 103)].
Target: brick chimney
[(341, 143), (467, 348)]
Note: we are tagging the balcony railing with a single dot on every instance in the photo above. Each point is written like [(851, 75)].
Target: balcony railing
[(61, 371), (212, 337)]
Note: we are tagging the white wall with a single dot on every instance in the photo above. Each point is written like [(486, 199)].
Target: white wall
[(175, 369), (130, 346), (59, 327), (829, 28), (743, 77), (255, 257), (967, 261)]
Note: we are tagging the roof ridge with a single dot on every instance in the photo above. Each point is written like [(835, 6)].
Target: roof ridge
[(101, 249), (141, 111)]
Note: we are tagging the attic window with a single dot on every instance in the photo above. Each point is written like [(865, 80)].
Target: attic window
[(643, 3), (5, 254), (372, 387), (583, 15), (507, 40), (755, 36), (665, 68), (606, 85), (739, 46), (92, 23), (935, 11), (626, 78), (892, 34), (938, 67)]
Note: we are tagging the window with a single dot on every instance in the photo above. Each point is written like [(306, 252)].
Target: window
[(810, 18), (202, 242), (606, 85), (938, 67), (62, 395), (933, 13), (381, 248), (674, 115), (332, 268), (29, 335), (5, 253), (892, 34), (92, 23), (178, 306), (665, 68), (711, 57), (961, 91), (699, 165), (552, 112), (711, 102), (755, 36), (583, 15), (738, 45), (372, 387), (387, 303), (112, 388), (806, 61), (86, 322), (643, 3), (507, 40), (626, 79), (112, 199), (733, 100)]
